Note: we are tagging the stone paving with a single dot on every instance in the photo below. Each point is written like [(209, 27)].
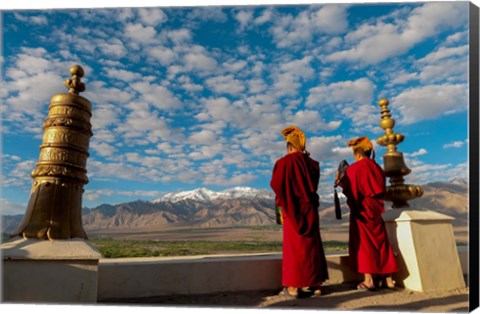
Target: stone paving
[(334, 297)]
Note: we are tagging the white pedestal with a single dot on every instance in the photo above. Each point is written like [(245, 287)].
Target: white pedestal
[(425, 249), (43, 271)]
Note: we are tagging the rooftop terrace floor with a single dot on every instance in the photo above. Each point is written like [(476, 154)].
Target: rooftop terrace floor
[(334, 297)]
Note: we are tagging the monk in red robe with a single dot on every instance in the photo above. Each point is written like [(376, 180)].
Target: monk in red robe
[(364, 186), (295, 181)]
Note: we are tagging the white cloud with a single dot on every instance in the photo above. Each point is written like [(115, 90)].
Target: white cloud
[(244, 17), (376, 43), (142, 126), (457, 37), (218, 109), (311, 120), (32, 19), (362, 115), (98, 170), (299, 68), (104, 135), (454, 144), (266, 16), (139, 33), (445, 64), (157, 95), (290, 30), (234, 133), (205, 137), (347, 92), (324, 148), (262, 143), (9, 208), (423, 173), (420, 152), (166, 148), (234, 65), (430, 102), (215, 173), (94, 195), (256, 85), (103, 149), (225, 84), (215, 14), (19, 175), (31, 79), (114, 48), (105, 115), (188, 84), (152, 16), (154, 166), (445, 52), (208, 151), (123, 75), (102, 93), (255, 113), (179, 36), (287, 79), (199, 61), (165, 56), (29, 93), (403, 77)]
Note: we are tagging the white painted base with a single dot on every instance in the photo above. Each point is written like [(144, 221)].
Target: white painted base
[(43, 271), (425, 247)]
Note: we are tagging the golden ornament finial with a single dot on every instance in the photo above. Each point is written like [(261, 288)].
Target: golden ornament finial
[(55, 208), (75, 85), (393, 162)]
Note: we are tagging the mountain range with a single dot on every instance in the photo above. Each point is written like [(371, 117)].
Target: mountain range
[(240, 206)]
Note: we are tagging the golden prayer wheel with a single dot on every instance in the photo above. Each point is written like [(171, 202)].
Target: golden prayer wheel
[(54, 210), (393, 163)]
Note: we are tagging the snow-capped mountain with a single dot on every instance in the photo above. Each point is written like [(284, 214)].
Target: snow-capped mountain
[(458, 181), (206, 195), (242, 206)]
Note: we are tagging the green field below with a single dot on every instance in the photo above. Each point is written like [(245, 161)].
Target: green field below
[(115, 248)]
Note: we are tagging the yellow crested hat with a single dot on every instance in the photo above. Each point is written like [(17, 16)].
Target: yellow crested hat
[(362, 142), (295, 136)]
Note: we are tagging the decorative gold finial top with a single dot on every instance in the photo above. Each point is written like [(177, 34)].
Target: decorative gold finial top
[(394, 164), (75, 85), (383, 102), (390, 139)]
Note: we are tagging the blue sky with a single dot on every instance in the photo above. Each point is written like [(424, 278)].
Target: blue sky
[(196, 97)]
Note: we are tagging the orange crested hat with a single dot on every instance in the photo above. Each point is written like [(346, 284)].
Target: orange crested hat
[(295, 136), (362, 142)]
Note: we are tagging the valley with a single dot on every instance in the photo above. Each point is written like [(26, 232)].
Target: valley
[(238, 216)]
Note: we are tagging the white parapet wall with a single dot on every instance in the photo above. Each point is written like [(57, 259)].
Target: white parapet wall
[(126, 278), (146, 277)]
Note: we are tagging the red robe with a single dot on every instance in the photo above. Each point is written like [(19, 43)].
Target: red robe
[(369, 248), (295, 181)]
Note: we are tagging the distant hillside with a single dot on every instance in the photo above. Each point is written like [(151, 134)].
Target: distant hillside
[(240, 207), (450, 198), (186, 212), (10, 223)]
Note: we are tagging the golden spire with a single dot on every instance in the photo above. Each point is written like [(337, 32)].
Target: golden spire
[(393, 162), (55, 207)]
